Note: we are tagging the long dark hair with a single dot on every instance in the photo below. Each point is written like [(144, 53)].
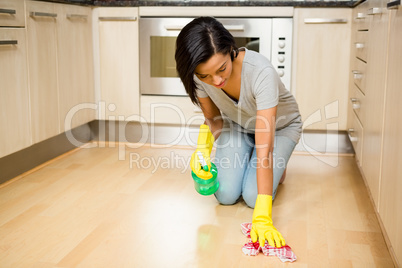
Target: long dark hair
[(197, 42)]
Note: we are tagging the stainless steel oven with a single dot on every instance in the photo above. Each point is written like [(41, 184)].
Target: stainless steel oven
[(271, 37)]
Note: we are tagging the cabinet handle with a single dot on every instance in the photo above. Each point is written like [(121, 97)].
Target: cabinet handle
[(35, 14), (351, 131), (374, 11), (357, 75), (7, 11), (8, 42), (359, 45), (324, 21), (76, 16), (360, 16), (355, 103), (394, 4), (118, 18)]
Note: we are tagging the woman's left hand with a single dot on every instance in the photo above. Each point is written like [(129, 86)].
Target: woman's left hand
[(262, 227)]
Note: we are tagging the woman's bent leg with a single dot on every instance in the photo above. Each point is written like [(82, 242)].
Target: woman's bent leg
[(282, 151), (232, 155)]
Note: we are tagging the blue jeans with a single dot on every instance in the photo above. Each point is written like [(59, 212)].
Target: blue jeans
[(236, 161)]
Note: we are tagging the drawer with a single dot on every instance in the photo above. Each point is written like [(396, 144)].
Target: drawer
[(357, 102), (356, 137), (359, 74), (361, 17), (361, 45), (170, 110), (12, 13), (14, 96)]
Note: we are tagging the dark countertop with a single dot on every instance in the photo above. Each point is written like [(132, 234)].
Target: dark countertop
[(71, 2), (138, 3)]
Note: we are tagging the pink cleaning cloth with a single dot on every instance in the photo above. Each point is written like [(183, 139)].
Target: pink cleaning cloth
[(285, 253)]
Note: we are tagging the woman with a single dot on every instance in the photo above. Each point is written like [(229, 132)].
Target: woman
[(248, 111)]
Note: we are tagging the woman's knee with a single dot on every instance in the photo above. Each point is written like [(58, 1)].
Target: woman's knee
[(250, 197), (227, 198)]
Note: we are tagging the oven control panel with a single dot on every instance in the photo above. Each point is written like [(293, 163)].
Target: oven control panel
[(281, 52)]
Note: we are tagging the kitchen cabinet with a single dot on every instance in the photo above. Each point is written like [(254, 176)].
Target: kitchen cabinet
[(60, 60), (376, 96), (357, 83), (321, 66), (42, 65), (15, 131), (355, 126), (12, 13), (391, 171), (75, 65), (374, 89), (119, 63)]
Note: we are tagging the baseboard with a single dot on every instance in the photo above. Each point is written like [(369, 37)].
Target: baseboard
[(26, 159)]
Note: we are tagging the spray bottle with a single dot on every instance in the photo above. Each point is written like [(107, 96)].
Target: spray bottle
[(206, 186)]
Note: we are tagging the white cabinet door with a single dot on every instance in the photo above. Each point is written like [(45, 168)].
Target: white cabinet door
[(321, 55), (374, 89), (119, 63), (42, 63), (391, 175), (12, 13), (14, 103), (75, 65)]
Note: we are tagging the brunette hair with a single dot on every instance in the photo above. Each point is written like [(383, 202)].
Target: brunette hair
[(197, 42)]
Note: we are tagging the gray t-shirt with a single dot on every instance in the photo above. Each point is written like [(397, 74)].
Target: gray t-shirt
[(261, 88)]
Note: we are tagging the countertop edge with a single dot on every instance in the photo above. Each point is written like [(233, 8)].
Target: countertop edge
[(198, 3), (333, 4)]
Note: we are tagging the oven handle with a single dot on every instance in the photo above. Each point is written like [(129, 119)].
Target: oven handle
[(118, 18), (237, 28)]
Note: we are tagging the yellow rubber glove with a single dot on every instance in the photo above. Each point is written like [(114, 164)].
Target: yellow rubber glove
[(204, 147), (262, 227)]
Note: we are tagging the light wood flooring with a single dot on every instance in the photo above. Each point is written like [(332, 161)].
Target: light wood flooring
[(90, 209)]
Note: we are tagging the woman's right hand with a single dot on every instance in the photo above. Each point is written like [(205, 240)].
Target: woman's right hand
[(204, 147)]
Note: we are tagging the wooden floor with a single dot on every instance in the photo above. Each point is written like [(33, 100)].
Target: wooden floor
[(90, 209)]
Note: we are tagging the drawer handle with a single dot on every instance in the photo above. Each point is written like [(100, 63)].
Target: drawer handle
[(357, 75), (359, 45), (118, 18), (352, 138), (394, 4), (76, 16), (360, 16), (355, 103), (35, 14), (8, 42), (7, 11), (374, 11), (324, 21)]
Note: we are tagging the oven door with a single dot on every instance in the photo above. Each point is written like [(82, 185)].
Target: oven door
[(158, 74)]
